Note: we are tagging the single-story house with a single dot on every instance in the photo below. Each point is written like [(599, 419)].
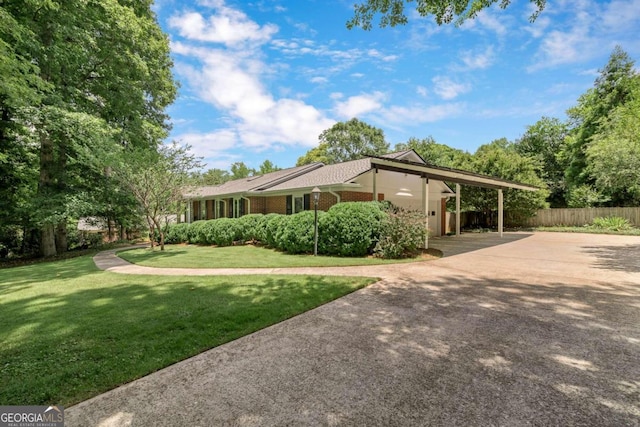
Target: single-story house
[(403, 178)]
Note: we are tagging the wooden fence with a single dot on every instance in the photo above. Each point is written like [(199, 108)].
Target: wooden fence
[(581, 216), (544, 218)]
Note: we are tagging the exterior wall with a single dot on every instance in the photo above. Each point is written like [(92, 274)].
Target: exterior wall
[(210, 210), (358, 196), (195, 210), (276, 204), (258, 205)]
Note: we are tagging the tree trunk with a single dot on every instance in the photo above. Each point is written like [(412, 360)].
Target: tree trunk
[(151, 233), (161, 232), (123, 233), (48, 241), (61, 238)]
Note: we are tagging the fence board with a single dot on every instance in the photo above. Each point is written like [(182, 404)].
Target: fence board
[(581, 216)]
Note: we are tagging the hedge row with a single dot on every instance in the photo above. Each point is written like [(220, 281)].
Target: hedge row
[(346, 229)]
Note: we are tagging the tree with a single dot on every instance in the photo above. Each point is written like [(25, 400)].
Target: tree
[(613, 155), (393, 11), (543, 142), (500, 159), (240, 170), (351, 140), (315, 155), (436, 154), (106, 60), (612, 88), (213, 176), (158, 180), (266, 167)]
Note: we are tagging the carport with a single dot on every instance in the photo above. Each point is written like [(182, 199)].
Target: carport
[(458, 177)]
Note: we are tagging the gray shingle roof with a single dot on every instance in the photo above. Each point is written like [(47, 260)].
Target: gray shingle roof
[(338, 173), (251, 183)]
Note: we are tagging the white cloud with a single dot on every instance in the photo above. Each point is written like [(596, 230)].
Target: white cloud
[(478, 61), (319, 80), (621, 15), (357, 75), (374, 53), (212, 147), (422, 91), (487, 19), (228, 26), (355, 106), (421, 113), (447, 89)]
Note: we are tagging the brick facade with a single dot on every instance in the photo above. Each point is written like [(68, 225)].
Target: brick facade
[(358, 196), (258, 205), (276, 204)]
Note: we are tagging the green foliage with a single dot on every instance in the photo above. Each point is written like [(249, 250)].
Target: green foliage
[(613, 223), (222, 231), (275, 225), (402, 234), (212, 177), (247, 226), (393, 11), (346, 141), (350, 229), (296, 234), (240, 170), (436, 154), (177, 233), (261, 228), (267, 167), (197, 233), (585, 196)]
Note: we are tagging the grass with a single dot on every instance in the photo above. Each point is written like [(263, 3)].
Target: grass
[(247, 256), (69, 331)]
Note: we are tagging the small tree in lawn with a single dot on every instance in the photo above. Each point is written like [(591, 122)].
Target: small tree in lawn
[(157, 181)]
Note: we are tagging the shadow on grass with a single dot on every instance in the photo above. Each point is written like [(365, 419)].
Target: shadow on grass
[(66, 344)]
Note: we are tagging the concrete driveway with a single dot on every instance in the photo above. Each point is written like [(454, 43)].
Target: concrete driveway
[(541, 329)]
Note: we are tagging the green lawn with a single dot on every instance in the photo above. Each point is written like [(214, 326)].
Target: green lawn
[(247, 256), (69, 331)]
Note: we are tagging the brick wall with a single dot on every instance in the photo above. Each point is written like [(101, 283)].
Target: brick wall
[(210, 209), (258, 205), (277, 204), (358, 196)]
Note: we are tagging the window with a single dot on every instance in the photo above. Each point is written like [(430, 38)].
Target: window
[(242, 204), (289, 209), (230, 205), (307, 202), (299, 203)]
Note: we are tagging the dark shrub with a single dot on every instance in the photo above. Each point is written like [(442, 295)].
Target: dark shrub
[(350, 228), (401, 235), (196, 232), (272, 227), (223, 231), (295, 235), (177, 233), (247, 227)]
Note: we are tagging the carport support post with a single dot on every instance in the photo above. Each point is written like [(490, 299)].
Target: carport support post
[(500, 212), (375, 186), (425, 205), (457, 209)]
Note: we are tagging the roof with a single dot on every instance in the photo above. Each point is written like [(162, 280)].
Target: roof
[(321, 175), (259, 182)]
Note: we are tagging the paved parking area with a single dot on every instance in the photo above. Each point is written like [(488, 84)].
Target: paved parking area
[(539, 329)]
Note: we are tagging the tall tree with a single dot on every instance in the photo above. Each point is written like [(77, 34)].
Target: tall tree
[(393, 11), (240, 170), (613, 155), (351, 140), (213, 176), (612, 88), (107, 59), (315, 155), (544, 142), (436, 154), (266, 167), (500, 159)]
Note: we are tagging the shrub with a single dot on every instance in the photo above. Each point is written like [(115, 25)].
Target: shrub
[(196, 232), (247, 227), (262, 226), (296, 234), (272, 228), (350, 228), (613, 223), (177, 233), (401, 235), (223, 231)]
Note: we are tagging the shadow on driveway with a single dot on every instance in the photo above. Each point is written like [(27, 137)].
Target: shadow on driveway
[(469, 242), (619, 258)]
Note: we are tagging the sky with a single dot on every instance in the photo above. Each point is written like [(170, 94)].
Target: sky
[(262, 79)]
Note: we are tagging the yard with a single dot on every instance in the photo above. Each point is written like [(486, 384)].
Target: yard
[(247, 256), (69, 331)]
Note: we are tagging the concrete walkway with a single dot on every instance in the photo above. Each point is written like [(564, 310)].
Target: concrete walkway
[(541, 330)]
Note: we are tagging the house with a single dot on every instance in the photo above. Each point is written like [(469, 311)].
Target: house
[(403, 178)]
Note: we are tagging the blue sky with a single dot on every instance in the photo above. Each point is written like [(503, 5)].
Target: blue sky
[(261, 79)]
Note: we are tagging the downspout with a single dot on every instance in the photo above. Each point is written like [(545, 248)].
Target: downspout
[(336, 195), (248, 204)]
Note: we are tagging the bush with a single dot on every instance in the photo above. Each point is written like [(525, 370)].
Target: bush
[(613, 223), (223, 231), (247, 227), (350, 228), (401, 235), (177, 233), (273, 225), (196, 232), (296, 234)]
